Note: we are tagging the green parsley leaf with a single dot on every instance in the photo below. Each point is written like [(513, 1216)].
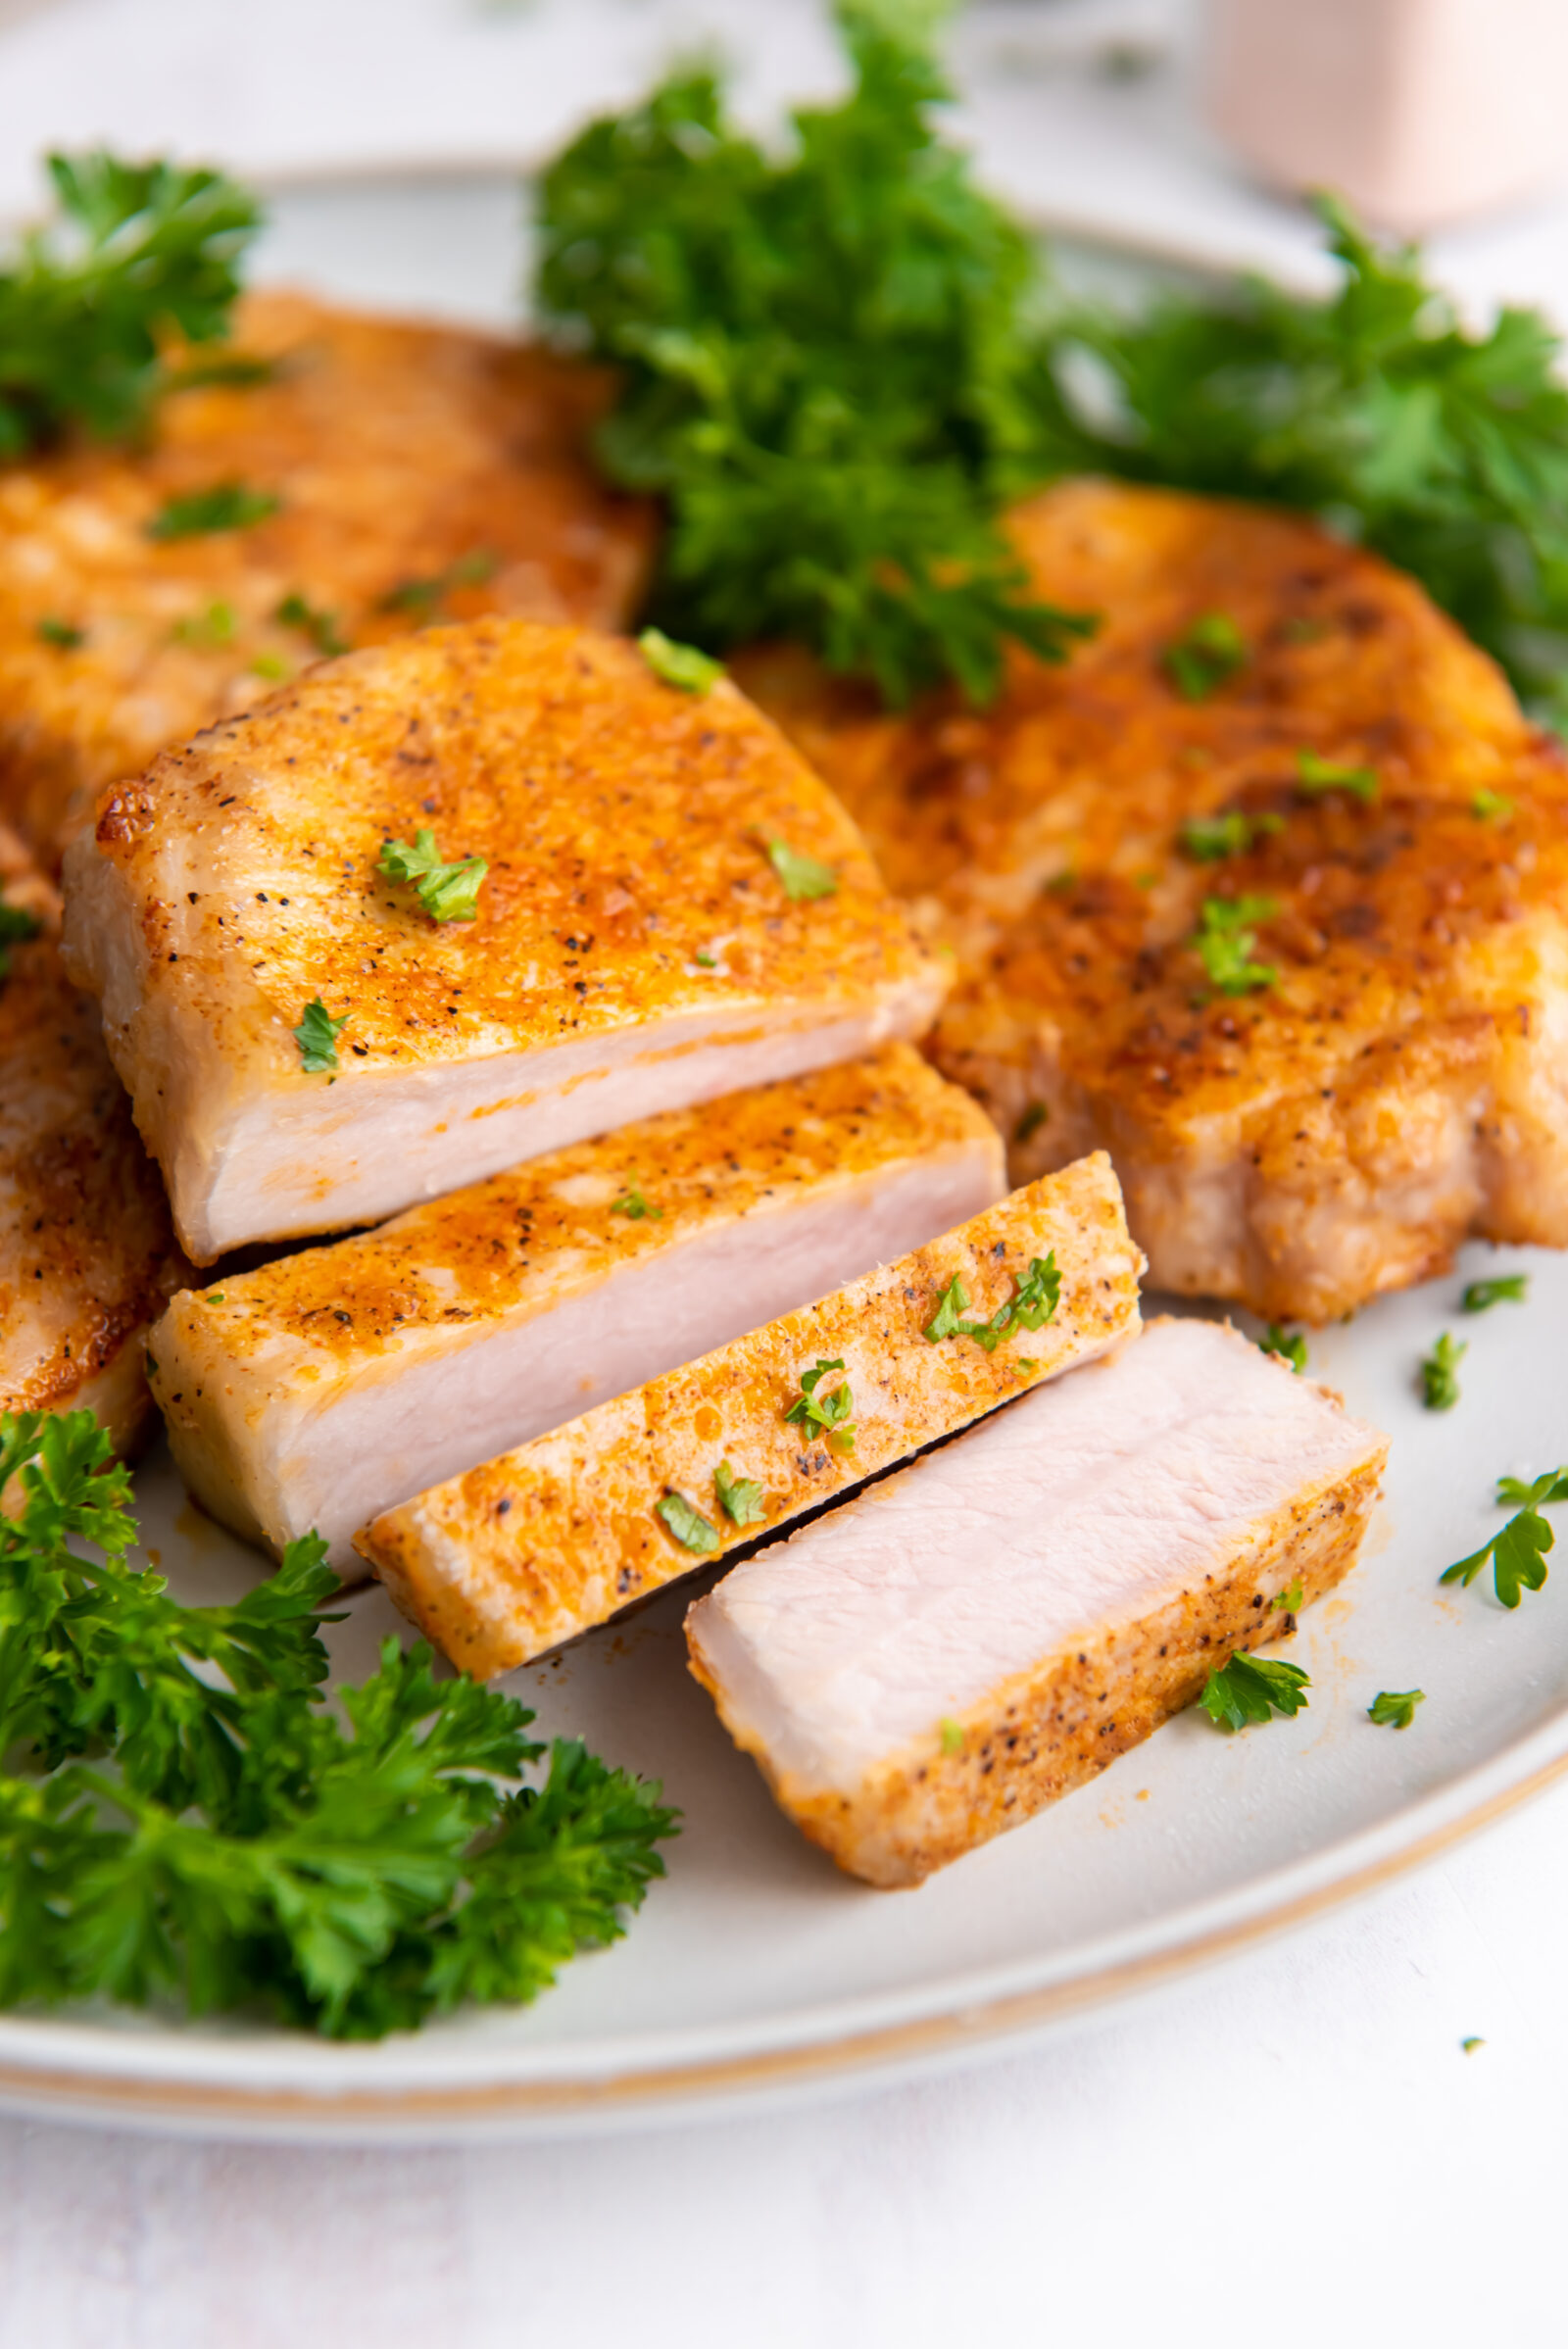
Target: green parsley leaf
[(1507, 1288), (1206, 839), (632, 1205), (1469, 2047), (1440, 1374), (1207, 656), (1290, 1599), (215, 1297), (208, 630), (316, 1037), (139, 253), (1492, 806), (226, 506), (1315, 777), (421, 599), (741, 1497), (1517, 1553), (61, 634), (803, 878), (16, 925), (690, 1527), (320, 628), (1394, 1709), (680, 666), (826, 363), (1252, 1688), (952, 1734), (1225, 940), (828, 1415), (1030, 1122), (1032, 1304), (270, 666), (1291, 1350), (447, 892)]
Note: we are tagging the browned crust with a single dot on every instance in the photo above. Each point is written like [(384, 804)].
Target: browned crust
[(499, 1565), (1047, 1731)]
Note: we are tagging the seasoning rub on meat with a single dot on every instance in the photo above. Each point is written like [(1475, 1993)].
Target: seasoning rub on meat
[(325, 1387), (673, 906), (931, 1664), (498, 1565)]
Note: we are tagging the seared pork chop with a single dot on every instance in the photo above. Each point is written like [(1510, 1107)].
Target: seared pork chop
[(633, 948), (1323, 1113), (87, 1258), (420, 472), (501, 1564), (978, 1635), (319, 1391)]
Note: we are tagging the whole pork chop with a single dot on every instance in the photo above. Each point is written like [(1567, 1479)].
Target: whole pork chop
[(1266, 891)]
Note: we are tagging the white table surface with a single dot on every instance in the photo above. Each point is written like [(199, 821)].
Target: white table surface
[(1291, 2149)]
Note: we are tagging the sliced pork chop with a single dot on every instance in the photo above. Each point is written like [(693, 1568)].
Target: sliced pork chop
[(326, 1387), (974, 1637), (634, 949), (419, 472), (87, 1258), (1393, 1075), (535, 1546)]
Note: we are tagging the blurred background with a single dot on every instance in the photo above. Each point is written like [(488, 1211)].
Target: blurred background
[(1176, 129)]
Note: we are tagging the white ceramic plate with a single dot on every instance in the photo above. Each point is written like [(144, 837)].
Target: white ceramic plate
[(755, 1969)]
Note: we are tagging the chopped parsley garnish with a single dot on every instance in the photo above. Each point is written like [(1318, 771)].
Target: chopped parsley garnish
[(1440, 1374), (88, 305), (1504, 1289), (226, 506), (423, 598), (1492, 806), (320, 628), (1292, 1348), (1254, 1689), (802, 879), (16, 924), (1516, 1552), (61, 634), (208, 630), (1315, 777), (1224, 942), (1393, 1708), (1468, 2046), (680, 666), (828, 1414), (632, 1205), (828, 365), (741, 1497), (1290, 1599), (185, 1814), (215, 1297), (1030, 1121), (1205, 658), (1207, 839), (316, 1037), (447, 892), (705, 961), (951, 1733), (270, 667), (691, 1529), (1032, 1304)]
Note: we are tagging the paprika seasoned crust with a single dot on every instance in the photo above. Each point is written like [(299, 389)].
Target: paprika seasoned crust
[(976, 1636), (633, 950), (499, 1565), (422, 473), (87, 1260), (1400, 1081), (323, 1388)]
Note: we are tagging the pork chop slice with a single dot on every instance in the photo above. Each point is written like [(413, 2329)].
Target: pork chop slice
[(974, 1637), (326, 1387), (531, 1548), (87, 1258), (633, 948), (1306, 1120), (416, 472)]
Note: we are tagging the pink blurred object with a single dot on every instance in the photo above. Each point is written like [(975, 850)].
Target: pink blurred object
[(1420, 112)]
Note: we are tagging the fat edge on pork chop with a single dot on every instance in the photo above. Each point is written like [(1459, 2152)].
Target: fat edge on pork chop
[(1265, 891), (976, 1636), (531, 1548), (396, 473), (321, 1390), (640, 940)]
